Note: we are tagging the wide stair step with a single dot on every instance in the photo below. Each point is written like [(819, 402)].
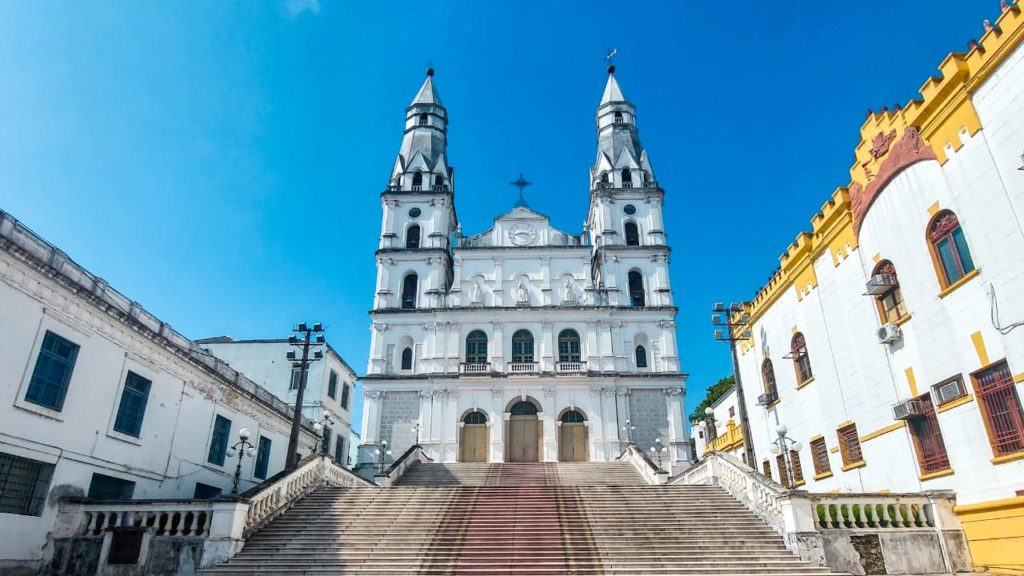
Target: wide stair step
[(526, 519)]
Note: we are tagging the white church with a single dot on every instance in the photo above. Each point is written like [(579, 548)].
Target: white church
[(523, 343)]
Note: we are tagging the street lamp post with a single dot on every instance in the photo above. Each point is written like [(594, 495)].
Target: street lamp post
[(382, 453), (659, 451), (319, 428), (736, 331), (782, 445), (242, 447), (306, 342), (628, 429)]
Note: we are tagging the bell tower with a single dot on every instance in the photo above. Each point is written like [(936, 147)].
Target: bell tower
[(625, 220)]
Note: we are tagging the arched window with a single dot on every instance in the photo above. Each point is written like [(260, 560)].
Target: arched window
[(572, 417), (476, 347), (439, 182), (949, 248), (604, 177), (407, 359), (632, 234), (475, 417), (409, 287), (424, 119), (641, 357), (568, 346), (522, 347), (618, 117), (523, 408), (412, 236), (801, 361), (768, 375), (636, 289), (888, 296), (627, 178), (417, 181)]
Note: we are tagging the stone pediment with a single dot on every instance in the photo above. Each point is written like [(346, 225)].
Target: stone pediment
[(521, 227)]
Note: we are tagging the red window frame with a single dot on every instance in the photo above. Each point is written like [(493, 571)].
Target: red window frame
[(928, 444), (1000, 408)]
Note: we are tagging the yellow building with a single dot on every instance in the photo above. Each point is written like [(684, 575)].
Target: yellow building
[(890, 342)]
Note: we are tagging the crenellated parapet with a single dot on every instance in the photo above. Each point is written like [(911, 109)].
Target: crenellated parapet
[(931, 127)]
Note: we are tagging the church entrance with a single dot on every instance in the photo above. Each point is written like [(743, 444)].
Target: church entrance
[(524, 433), (572, 437), (474, 438)]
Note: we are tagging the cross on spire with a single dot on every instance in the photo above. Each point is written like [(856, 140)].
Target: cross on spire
[(521, 184)]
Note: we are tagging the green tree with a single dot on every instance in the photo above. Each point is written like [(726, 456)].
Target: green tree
[(715, 392)]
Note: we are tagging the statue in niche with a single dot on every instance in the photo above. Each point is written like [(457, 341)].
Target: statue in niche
[(569, 295), (476, 294), (522, 294)]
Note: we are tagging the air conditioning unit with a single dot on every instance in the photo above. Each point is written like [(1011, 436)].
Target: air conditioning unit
[(881, 283), (767, 399), (948, 391), (908, 410), (889, 333)]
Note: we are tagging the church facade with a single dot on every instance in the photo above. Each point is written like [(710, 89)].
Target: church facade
[(523, 342)]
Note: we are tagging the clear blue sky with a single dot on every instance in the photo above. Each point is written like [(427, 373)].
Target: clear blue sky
[(221, 162)]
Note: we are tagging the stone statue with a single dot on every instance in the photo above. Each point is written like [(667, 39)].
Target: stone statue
[(522, 294), (477, 293), (569, 291)]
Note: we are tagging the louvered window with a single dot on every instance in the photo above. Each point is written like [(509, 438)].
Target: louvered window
[(798, 470), (780, 463), (766, 469), (819, 452), (24, 484), (849, 445)]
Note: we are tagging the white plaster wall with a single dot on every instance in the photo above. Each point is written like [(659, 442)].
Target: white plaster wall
[(169, 456)]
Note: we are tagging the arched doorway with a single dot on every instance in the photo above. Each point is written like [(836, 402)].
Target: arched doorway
[(524, 433), (474, 437), (572, 437)]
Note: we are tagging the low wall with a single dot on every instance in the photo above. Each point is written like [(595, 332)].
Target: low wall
[(995, 534)]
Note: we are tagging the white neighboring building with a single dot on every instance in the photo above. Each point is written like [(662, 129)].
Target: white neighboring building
[(523, 342), (330, 383), (891, 340), (101, 399)]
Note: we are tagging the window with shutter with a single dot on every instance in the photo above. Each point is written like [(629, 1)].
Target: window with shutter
[(849, 445), (819, 453), (1000, 409), (931, 450)]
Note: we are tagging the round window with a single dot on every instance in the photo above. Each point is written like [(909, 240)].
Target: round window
[(629, 209), (414, 212)]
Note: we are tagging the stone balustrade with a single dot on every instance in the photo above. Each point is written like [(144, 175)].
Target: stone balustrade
[(643, 464), (413, 456), (181, 534), (857, 533)]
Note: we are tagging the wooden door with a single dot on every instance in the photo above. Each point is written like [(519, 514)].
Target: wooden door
[(473, 447), (572, 442), (524, 439)]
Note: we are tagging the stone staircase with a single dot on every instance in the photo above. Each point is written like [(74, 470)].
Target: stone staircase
[(528, 519)]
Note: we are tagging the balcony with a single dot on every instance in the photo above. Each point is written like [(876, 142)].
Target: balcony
[(471, 368), (522, 368), (570, 367)]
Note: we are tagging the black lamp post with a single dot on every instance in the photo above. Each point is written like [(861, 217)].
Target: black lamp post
[(318, 427), (628, 429), (242, 447), (382, 453)]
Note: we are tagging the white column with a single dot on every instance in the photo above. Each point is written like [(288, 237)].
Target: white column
[(426, 422), (679, 444), (451, 417), (371, 424), (547, 347), (496, 420)]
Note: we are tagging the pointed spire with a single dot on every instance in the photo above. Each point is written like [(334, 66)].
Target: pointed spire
[(428, 94), (612, 92)]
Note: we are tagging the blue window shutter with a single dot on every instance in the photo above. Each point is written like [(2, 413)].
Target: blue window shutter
[(49, 384), (133, 405), (219, 440), (262, 458)]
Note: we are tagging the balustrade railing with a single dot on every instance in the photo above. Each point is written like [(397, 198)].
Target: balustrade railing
[(475, 367), (522, 367), (570, 367), (806, 521)]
